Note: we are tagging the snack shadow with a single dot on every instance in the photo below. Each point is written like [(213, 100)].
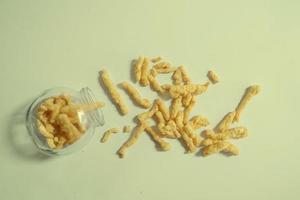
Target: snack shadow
[(18, 137)]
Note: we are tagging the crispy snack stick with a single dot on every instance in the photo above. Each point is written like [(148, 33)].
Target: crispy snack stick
[(107, 134), (116, 97), (132, 140), (250, 92), (135, 95)]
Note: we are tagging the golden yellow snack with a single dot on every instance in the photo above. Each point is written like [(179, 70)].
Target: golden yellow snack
[(188, 142), (126, 129), (89, 107), (138, 68), (144, 75), (200, 88), (164, 68), (187, 110), (214, 148), (155, 136), (176, 90), (185, 77), (175, 107), (249, 93), (237, 132), (198, 121), (183, 90), (173, 128), (207, 142), (116, 97), (51, 143), (148, 114), (231, 149), (212, 76), (42, 129), (161, 65), (188, 129), (153, 73), (215, 136), (55, 109), (72, 133), (108, 133), (177, 77), (58, 120), (61, 141), (59, 101), (163, 109), (169, 130), (154, 84), (159, 118), (156, 59), (225, 122), (233, 133), (135, 95), (186, 100), (166, 87), (179, 119), (55, 139), (132, 140), (49, 103)]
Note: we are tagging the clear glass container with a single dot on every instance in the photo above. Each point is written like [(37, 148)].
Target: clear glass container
[(90, 119)]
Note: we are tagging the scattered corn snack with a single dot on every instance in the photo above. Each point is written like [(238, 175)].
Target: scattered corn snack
[(174, 121)]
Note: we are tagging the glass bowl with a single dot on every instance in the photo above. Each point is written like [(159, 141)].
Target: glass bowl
[(90, 119)]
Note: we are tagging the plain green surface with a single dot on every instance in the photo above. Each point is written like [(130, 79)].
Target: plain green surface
[(65, 43)]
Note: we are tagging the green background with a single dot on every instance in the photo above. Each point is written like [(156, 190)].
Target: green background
[(65, 43)]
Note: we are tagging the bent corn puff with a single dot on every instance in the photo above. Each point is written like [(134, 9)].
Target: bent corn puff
[(132, 140), (154, 84), (116, 97), (135, 95), (108, 133)]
